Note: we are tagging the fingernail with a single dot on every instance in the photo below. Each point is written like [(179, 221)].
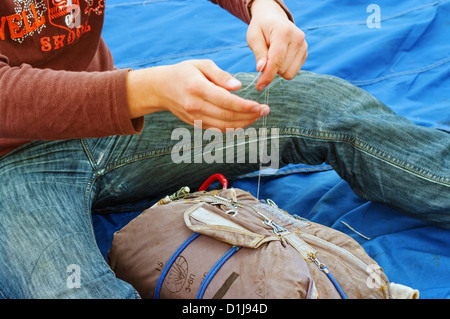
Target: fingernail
[(233, 83), (260, 64), (265, 111), (256, 109), (261, 87)]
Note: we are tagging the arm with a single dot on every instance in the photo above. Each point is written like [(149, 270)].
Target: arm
[(192, 90), (199, 90), (49, 105)]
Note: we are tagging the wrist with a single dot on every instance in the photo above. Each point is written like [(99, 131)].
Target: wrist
[(262, 7), (142, 93)]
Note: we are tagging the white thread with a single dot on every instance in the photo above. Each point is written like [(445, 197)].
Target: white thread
[(253, 81), (264, 125)]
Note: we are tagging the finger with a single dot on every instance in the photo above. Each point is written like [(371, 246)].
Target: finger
[(295, 59), (289, 61), (276, 56), (212, 117), (225, 100), (261, 64), (257, 43), (214, 111), (209, 122), (292, 64), (305, 53), (218, 76)]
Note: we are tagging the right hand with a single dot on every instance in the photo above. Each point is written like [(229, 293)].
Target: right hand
[(192, 90)]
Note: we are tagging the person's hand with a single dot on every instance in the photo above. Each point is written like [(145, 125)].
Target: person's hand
[(278, 44), (192, 90)]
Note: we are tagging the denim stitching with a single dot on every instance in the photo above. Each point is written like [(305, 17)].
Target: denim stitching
[(311, 133), (163, 151), (138, 157), (370, 150)]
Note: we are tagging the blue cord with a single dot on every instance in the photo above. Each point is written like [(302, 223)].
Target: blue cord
[(334, 282), (169, 264), (216, 267), (214, 270)]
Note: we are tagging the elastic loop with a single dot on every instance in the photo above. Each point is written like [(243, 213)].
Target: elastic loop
[(336, 284), (169, 263), (214, 270)]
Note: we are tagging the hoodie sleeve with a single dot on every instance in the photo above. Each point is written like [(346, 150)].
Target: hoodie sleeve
[(241, 8), (43, 104)]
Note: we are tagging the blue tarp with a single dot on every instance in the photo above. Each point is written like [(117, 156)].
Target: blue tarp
[(404, 62)]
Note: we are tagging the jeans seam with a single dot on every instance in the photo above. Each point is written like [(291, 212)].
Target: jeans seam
[(89, 187), (88, 153), (150, 154), (87, 203), (136, 158), (369, 150), (50, 246), (163, 151), (310, 133)]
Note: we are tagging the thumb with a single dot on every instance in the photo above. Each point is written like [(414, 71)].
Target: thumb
[(218, 76), (257, 43)]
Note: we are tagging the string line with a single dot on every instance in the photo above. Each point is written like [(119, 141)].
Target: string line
[(263, 124)]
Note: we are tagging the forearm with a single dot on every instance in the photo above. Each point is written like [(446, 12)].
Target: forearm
[(43, 104)]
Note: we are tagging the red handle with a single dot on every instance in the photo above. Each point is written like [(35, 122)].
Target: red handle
[(213, 178)]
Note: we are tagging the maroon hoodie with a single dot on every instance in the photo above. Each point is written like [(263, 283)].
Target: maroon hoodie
[(57, 76)]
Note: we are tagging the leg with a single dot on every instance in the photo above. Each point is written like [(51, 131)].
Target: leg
[(47, 245), (384, 157)]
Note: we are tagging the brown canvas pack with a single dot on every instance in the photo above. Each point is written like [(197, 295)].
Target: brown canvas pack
[(228, 244)]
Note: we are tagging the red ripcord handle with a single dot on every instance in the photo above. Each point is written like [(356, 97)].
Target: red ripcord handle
[(212, 179)]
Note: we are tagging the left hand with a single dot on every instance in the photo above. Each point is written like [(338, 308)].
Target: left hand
[(278, 44)]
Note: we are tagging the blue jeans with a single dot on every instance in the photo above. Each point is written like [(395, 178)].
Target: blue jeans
[(48, 189)]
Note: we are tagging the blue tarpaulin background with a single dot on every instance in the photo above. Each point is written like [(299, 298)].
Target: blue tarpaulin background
[(405, 63)]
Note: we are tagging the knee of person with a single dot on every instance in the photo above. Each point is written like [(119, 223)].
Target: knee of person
[(333, 96), (73, 268)]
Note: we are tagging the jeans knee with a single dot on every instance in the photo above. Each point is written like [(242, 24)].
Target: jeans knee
[(330, 96), (72, 267)]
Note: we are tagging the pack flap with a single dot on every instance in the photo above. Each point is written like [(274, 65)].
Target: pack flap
[(201, 220)]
